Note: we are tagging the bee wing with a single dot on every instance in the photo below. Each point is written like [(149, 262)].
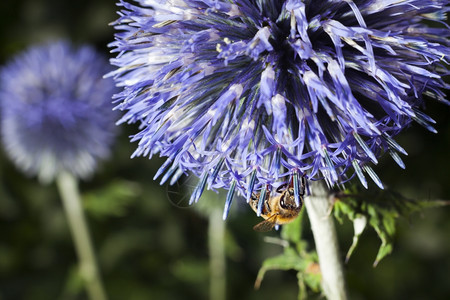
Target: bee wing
[(266, 225)]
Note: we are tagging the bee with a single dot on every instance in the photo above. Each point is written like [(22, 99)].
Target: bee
[(278, 209)]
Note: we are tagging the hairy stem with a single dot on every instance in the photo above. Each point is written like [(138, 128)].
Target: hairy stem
[(322, 225), (216, 238), (68, 189)]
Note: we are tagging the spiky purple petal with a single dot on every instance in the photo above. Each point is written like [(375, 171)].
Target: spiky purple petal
[(251, 92)]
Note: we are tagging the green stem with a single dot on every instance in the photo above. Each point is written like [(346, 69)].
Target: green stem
[(324, 232), (216, 238), (68, 189)]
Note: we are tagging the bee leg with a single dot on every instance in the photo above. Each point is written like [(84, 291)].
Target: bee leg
[(267, 207), (303, 186), (281, 188)]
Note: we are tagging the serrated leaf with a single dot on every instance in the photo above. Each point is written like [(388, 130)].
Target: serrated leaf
[(385, 249), (295, 257), (434, 203), (302, 294), (310, 277), (313, 276), (359, 224), (382, 208), (287, 261)]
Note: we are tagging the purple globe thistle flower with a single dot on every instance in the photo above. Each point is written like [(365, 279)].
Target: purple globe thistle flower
[(249, 95), (55, 110)]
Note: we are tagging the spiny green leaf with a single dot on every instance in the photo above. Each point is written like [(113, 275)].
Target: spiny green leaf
[(302, 294), (385, 248), (359, 224), (310, 277), (294, 257), (381, 208), (287, 261), (290, 260)]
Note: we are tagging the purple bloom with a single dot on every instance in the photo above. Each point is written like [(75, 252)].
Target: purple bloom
[(247, 94), (55, 110)]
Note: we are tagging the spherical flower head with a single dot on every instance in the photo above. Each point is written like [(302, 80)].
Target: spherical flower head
[(56, 112), (254, 94)]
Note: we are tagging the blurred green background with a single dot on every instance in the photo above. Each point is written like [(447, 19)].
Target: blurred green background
[(152, 246)]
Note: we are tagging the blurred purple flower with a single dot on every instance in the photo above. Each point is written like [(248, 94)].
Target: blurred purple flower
[(249, 94), (55, 110)]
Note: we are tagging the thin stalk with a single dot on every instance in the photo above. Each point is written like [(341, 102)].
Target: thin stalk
[(216, 239), (68, 189), (324, 232)]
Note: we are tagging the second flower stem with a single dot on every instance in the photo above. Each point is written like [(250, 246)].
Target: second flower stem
[(216, 238), (68, 189)]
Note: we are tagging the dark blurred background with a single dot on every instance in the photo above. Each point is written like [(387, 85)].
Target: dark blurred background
[(151, 246)]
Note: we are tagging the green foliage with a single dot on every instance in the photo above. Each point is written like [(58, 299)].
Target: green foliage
[(294, 257), (380, 209), (74, 284), (112, 199), (190, 270)]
